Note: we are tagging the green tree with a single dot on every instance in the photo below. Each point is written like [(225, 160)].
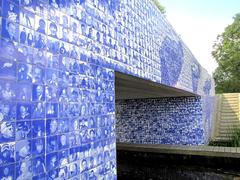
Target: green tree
[(159, 6), (227, 54)]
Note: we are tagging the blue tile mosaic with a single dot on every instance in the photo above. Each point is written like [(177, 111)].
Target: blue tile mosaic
[(57, 92), (172, 120)]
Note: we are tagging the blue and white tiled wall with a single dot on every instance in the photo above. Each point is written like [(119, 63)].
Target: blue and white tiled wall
[(172, 120), (57, 63)]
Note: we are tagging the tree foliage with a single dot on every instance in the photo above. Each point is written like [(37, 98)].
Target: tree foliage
[(227, 54), (159, 6)]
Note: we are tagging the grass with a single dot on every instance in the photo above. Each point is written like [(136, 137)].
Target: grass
[(234, 139)]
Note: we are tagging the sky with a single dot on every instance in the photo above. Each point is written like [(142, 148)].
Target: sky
[(198, 22)]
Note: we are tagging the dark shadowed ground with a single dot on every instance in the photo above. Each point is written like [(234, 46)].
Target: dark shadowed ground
[(150, 166)]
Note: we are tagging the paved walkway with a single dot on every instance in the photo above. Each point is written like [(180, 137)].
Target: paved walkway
[(214, 151)]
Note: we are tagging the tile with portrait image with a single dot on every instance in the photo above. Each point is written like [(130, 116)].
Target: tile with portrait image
[(110, 108), (63, 172), (74, 95), (74, 124), (85, 95), (52, 127), (23, 150), (52, 174), (52, 161), (64, 49), (53, 30), (7, 90), (26, 36), (40, 41), (107, 169), (38, 165), (74, 66), (73, 169), (10, 30), (92, 135), (63, 125), (38, 92), (10, 11), (95, 22), (91, 99), (25, 54), (23, 130), (53, 15), (51, 110), (64, 109), (99, 38), (92, 173), (84, 68), (64, 20), (63, 82), (23, 111), (64, 34), (42, 8), (54, 4), (84, 136), (63, 140), (73, 80), (74, 25), (91, 121), (7, 171), (38, 128), (41, 24), (38, 75), (8, 69), (40, 57), (83, 28), (52, 77), (74, 139), (41, 176), (74, 11), (84, 165), (84, 109), (29, 5), (0, 21), (24, 170), (74, 39), (24, 72), (52, 94), (24, 92), (38, 110), (84, 175), (27, 18), (52, 61), (63, 95), (73, 52), (7, 111), (73, 110), (83, 83), (7, 151), (99, 133), (82, 43), (51, 144), (90, 32), (74, 154), (53, 45), (63, 157)]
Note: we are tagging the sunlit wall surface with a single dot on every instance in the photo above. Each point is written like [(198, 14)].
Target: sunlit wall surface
[(57, 63)]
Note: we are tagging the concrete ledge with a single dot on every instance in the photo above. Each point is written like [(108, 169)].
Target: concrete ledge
[(212, 151)]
